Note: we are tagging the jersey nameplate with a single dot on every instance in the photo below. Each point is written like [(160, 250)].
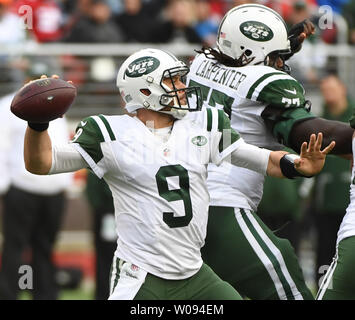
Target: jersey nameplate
[(227, 77)]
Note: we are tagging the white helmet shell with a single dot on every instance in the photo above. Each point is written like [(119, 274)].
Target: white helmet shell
[(252, 31), (143, 72)]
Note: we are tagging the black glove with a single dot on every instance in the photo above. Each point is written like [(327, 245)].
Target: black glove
[(38, 126), (307, 27)]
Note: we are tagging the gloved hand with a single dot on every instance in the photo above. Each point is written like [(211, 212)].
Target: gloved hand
[(297, 34)]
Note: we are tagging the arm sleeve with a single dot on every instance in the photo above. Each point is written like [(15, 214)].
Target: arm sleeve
[(285, 103), (66, 159), (282, 121), (251, 157), (89, 141)]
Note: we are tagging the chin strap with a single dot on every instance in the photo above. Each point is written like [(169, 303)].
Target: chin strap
[(284, 68), (176, 113)]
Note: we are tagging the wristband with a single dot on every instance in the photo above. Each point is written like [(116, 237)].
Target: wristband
[(287, 166), (38, 126)]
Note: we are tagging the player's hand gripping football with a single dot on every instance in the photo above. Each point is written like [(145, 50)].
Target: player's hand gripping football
[(43, 100), (54, 76), (312, 158)]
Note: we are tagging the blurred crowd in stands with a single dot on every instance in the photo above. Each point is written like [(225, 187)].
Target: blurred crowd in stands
[(154, 21), (163, 22)]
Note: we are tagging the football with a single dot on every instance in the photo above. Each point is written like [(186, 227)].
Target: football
[(43, 100)]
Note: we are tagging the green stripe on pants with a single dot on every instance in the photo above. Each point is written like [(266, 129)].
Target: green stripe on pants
[(270, 256), (231, 254)]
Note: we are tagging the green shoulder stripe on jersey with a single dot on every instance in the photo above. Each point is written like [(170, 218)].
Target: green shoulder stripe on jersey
[(285, 123), (88, 136), (229, 135), (209, 119), (283, 93), (260, 80), (108, 127)]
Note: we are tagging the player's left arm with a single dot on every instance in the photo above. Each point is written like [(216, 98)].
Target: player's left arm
[(309, 163), (273, 163), (282, 164)]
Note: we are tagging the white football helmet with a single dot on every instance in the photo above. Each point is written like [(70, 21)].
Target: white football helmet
[(250, 32), (140, 81)]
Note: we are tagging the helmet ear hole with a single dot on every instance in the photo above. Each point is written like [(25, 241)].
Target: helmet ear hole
[(248, 52), (146, 92)]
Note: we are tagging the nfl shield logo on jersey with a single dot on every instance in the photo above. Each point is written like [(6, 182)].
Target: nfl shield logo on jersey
[(166, 152), (199, 140)]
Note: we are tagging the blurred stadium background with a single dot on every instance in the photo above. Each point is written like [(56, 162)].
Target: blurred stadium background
[(86, 40)]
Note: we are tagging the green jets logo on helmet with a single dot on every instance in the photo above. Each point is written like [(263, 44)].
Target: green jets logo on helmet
[(142, 66), (199, 141), (257, 31)]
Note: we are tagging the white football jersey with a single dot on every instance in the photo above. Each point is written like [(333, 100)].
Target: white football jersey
[(243, 93), (347, 226), (159, 189)]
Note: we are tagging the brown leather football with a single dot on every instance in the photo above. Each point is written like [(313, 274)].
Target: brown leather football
[(43, 100)]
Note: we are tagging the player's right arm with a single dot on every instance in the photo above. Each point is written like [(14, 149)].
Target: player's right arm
[(337, 131), (289, 118), (37, 151), (42, 158)]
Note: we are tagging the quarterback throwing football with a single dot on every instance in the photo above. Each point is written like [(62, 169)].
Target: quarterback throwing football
[(155, 164)]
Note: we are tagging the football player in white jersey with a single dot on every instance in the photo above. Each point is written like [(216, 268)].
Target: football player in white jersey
[(339, 281), (156, 167), (246, 76)]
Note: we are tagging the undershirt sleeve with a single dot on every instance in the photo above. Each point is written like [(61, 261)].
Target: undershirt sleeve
[(66, 158), (251, 157)]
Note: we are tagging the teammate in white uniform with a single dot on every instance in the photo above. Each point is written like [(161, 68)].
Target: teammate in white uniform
[(156, 167), (246, 77), (339, 281)]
